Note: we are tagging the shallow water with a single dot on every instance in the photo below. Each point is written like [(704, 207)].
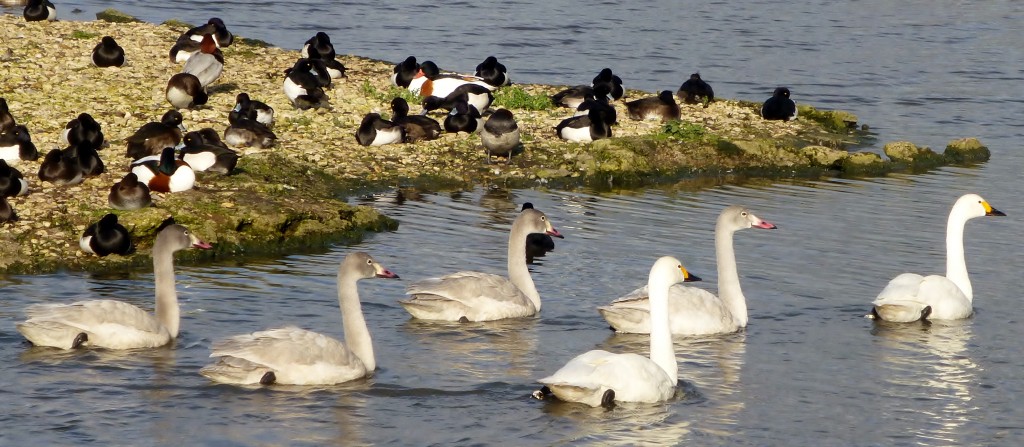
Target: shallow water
[(809, 369)]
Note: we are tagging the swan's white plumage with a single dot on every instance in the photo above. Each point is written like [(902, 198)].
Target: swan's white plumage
[(300, 357), (632, 377), (296, 356), (911, 297), (479, 296), (695, 311), (115, 324)]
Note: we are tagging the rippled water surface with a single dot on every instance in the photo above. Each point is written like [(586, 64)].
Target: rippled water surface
[(809, 369)]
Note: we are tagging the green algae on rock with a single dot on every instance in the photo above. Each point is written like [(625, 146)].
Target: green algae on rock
[(292, 194)]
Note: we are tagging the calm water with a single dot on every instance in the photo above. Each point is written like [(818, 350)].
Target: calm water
[(809, 370)]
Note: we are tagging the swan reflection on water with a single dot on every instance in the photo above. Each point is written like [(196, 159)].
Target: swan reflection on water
[(475, 349), (927, 362)]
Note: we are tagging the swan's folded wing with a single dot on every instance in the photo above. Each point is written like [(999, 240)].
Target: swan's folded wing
[(284, 347), (96, 315), (468, 288), (905, 287)]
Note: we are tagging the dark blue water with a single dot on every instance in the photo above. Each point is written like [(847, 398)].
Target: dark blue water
[(809, 370)]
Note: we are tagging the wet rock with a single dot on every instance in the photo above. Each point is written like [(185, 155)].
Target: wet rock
[(966, 150), (909, 153), (824, 156), (114, 16), (862, 163)]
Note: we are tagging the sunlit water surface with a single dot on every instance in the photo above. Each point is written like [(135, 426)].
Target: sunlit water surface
[(809, 369)]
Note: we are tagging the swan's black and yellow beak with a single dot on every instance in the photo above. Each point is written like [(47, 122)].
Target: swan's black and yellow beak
[(989, 211), (687, 276)]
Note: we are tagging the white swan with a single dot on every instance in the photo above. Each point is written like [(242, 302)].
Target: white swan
[(294, 356), (694, 311), (475, 296), (600, 377), (911, 297), (115, 324)]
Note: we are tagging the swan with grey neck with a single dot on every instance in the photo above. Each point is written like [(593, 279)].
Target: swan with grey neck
[(601, 378), (911, 297), (694, 311), (475, 296), (115, 324), (295, 356)]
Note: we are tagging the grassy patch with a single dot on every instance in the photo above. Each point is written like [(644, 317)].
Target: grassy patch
[(385, 97), (83, 35), (685, 131), (516, 97)]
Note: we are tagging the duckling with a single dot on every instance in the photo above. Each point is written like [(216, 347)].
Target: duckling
[(60, 169), (83, 128), (476, 95), (696, 91), (779, 106), (302, 87), (129, 194), (17, 145), (661, 107), (251, 109), (86, 157), (207, 64), (613, 82), (7, 213), (40, 10), (493, 72), (153, 137), (184, 91), (463, 118), (585, 128), (106, 237), (202, 156), (108, 53), (377, 131), (417, 127), (164, 173), (12, 183), (500, 135)]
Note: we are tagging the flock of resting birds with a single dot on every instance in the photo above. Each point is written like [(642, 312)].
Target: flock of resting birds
[(290, 355)]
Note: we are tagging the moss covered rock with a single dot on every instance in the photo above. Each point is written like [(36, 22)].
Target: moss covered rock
[(966, 150)]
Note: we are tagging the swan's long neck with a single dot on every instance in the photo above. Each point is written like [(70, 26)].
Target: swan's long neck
[(518, 272), (357, 335), (662, 352), (956, 266), (728, 278), (167, 312)]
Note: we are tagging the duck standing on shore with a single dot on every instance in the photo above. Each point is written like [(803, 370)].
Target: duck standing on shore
[(464, 117), (108, 53), (696, 91), (377, 131), (779, 106), (6, 119), (417, 127), (319, 47), (164, 172), (17, 145), (493, 72), (614, 83), (405, 72), (129, 194), (585, 128), (207, 64), (214, 27), (184, 91), (661, 107), (153, 137), (302, 87), (60, 169), (40, 10), (12, 183), (500, 135), (252, 109), (83, 128), (202, 156), (106, 237)]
